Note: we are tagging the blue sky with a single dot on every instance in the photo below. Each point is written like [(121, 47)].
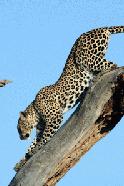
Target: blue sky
[(35, 39)]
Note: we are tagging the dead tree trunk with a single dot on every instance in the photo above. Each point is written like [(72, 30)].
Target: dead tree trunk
[(101, 109), (4, 82)]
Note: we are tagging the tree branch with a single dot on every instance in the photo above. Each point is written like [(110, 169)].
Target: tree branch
[(101, 109), (4, 82)]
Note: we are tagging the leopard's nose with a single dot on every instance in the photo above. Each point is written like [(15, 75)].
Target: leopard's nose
[(27, 135), (23, 137)]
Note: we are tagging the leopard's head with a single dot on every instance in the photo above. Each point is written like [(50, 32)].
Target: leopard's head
[(25, 125)]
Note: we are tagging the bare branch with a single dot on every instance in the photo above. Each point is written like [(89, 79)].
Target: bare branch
[(101, 110), (4, 82)]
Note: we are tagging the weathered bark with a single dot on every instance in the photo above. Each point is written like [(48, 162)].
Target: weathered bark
[(101, 109), (4, 82)]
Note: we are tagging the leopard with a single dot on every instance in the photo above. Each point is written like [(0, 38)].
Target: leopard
[(45, 113)]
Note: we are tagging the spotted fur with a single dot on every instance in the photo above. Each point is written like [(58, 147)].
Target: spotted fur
[(45, 113)]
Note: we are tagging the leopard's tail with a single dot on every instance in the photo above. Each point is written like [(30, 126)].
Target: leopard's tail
[(116, 29)]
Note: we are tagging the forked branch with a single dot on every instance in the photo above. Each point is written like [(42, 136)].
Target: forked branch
[(101, 109)]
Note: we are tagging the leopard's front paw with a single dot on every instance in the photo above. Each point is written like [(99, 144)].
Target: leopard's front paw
[(19, 165)]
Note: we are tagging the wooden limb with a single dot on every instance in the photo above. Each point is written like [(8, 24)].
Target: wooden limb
[(4, 82), (101, 110)]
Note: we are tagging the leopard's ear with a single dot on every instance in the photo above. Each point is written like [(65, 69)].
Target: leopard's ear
[(22, 115)]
